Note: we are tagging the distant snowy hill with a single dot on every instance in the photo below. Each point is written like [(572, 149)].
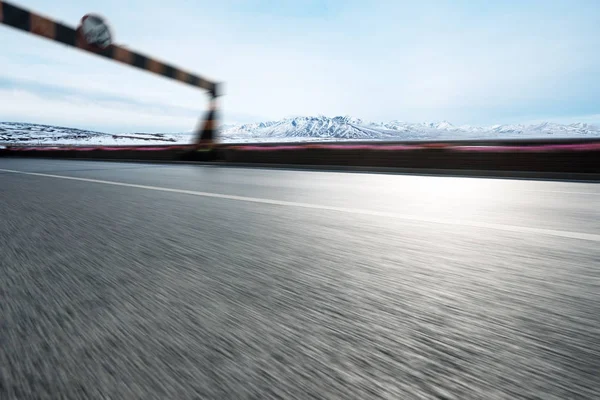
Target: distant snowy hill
[(299, 129), (35, 134)]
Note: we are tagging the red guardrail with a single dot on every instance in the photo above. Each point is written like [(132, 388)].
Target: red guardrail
[(266, 147)]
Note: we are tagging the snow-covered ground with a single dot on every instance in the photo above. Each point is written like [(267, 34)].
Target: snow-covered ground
[(295, 130), (34, 134)]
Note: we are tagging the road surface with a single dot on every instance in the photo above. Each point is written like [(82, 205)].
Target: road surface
[(150, 281)]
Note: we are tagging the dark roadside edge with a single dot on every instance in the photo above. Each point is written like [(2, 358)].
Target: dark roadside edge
[(434, 172)]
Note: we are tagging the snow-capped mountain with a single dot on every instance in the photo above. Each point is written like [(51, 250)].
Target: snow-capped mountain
[(295, 129), (348, 128), (305, 128)]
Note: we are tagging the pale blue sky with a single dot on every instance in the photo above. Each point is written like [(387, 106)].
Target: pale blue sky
[(468, 62)]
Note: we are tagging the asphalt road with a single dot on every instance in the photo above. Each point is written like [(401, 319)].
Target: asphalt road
[(177, 281)]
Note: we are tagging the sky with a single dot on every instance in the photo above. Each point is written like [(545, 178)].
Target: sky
[(476, 62)]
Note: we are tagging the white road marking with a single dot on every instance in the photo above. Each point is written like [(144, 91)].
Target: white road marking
[(357, 211), (563, 192)]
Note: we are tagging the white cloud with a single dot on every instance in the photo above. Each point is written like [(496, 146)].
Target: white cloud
[(117, 117)]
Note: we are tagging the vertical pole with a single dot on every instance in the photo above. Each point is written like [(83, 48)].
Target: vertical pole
[(206, 136)]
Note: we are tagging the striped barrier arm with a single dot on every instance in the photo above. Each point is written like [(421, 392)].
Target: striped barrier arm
[(22, 19)]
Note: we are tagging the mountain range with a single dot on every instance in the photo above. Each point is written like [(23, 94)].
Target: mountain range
[(349, 128), (319, 128)]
